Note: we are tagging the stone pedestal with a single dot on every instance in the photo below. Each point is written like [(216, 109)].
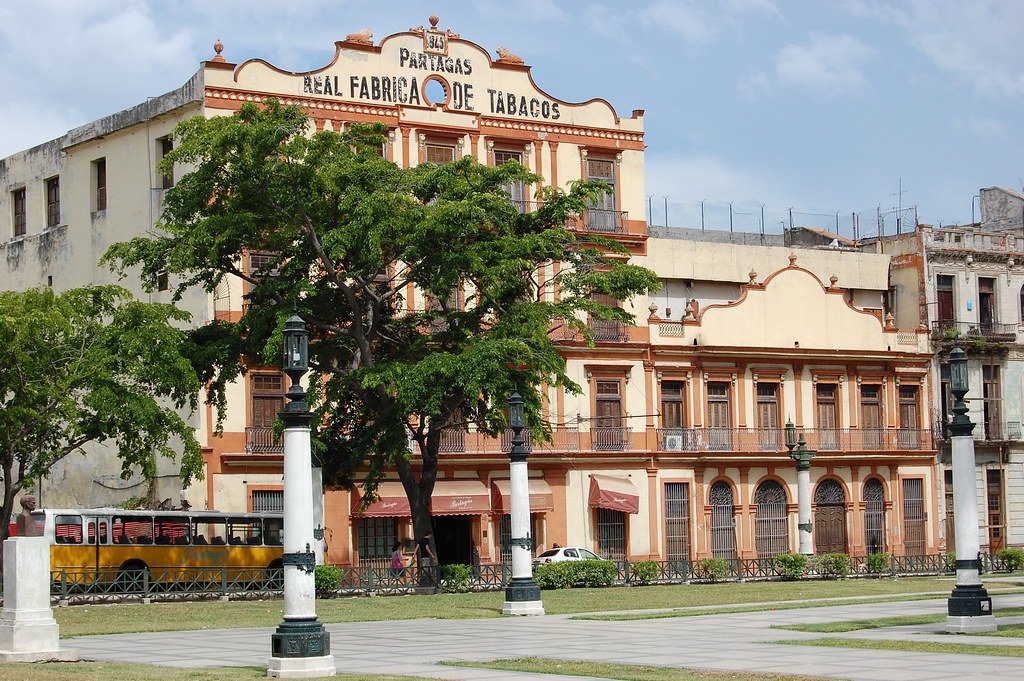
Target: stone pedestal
[(28, 632)]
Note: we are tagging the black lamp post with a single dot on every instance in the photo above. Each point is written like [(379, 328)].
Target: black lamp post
[(522, 595), (969, 608), (802, 456), (301, 647)]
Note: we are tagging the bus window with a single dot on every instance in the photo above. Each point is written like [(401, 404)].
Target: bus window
[(172, 530), (67, 529), (209, 530), (133, 530), (273, 531), (91, 526), (245, 531)]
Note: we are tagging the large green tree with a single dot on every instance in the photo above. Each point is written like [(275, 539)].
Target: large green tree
[(349, 235), (91, 365)]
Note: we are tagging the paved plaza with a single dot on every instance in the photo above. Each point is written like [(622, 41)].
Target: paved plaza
[(737, 641)]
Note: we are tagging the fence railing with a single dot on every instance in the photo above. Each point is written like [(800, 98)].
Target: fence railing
[(774, 439), (184, 583)]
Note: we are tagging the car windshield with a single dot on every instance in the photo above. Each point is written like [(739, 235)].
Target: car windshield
[(549, 552)]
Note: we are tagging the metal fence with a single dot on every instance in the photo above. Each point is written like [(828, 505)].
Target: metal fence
[(76, 586)]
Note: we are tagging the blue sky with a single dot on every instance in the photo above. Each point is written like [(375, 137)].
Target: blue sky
[(822, 106)]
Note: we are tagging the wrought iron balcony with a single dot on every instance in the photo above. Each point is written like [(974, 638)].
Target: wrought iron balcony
[(564, 439), (774, 439), (611, 439), (992, 331), (600, 221), (992, 431), (261, 440)]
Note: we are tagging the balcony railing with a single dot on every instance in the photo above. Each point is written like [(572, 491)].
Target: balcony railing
[(993, 431), (774, 439), (610, 330), (611, 439), (993, 331), (261, 440), (965, 239), (565, 439), (600, 221), (524, 206)]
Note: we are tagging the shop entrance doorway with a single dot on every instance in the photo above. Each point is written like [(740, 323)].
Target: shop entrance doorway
[(453, 535)]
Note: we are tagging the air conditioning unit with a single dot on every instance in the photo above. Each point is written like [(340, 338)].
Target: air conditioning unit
[(673, 443)]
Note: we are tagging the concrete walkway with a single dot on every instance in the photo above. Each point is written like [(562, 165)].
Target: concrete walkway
[(738, 641)]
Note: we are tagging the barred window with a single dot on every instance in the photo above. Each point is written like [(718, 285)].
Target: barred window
[(268, 501)]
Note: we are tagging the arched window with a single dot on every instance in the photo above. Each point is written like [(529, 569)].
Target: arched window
[(723, 521), (874, 516), (771, 527), (829, 493)]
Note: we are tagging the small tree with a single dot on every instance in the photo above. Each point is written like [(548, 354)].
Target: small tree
[(91, 365)]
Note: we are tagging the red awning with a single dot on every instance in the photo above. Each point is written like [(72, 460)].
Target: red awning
[(542, 499), (460, 497), (451, 497), (617, 494), (392, 502)]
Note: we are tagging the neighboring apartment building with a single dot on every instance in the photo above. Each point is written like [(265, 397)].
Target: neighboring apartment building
[(676, 448), (965, 283)]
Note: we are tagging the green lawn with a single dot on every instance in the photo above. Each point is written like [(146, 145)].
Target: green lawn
[(605, 670), (81, 620), (913, 646), (906, 620)]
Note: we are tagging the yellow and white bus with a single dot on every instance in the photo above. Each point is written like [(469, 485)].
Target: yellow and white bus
[(164, 544)]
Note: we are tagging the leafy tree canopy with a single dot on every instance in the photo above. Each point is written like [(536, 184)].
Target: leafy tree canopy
[(91, 365), (350, 236)]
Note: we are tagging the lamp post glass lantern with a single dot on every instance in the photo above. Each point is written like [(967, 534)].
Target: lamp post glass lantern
[(969, 607), (522, 595)]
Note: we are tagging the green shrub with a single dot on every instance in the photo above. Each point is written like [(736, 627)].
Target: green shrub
[(879, 563), (644, 572), (569, 573), (950, 562), (554, 575), (455, 578), (832, 564), (1013, 559), (711, 569), (593, 573), (326, 579), (791, 565)]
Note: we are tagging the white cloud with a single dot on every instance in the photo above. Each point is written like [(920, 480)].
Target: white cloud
[(986, 128), (976, 40), (92, 60), (700, 22), (825, 62)]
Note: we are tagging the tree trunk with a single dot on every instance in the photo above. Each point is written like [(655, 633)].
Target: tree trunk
[(419, 491)]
